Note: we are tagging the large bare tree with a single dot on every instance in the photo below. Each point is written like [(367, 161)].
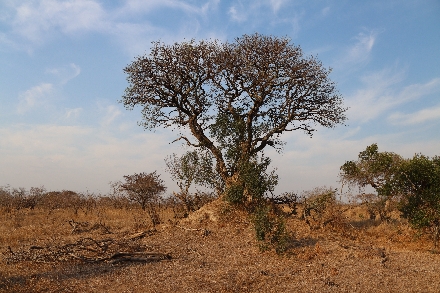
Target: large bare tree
[(235, 98)]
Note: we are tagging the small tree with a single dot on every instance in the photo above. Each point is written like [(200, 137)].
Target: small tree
[(419, 179), (194, 167), (144, 189), (377, 169), (373, 168)]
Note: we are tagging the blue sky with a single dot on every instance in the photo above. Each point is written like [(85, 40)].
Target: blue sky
[(61, 76)]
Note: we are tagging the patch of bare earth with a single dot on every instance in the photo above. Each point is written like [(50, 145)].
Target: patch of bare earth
[(215, 250)]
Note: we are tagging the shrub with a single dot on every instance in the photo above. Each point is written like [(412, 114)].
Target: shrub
[(319, 207), (270, 228), (419, 178), (235, 193), (143, 189)]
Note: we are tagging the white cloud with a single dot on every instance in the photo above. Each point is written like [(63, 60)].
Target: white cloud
[(75, 157), (243, 10), (237, 13), (32, 23), (142, 6), (276, 4), (311, 162), (35, 20), (65, 73), (36, 96), (72, 113), (325, 11), (416, 117), (360, 51), (418, 90), (380, 94), (6, 40), (357, 54), (111, 113), (42, 94), (136, 38)]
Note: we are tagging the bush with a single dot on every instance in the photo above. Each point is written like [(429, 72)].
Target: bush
[(235, 194), (20, 198), (419, 178), (320, 207), (270, 228), (6, 198), (143, 189)]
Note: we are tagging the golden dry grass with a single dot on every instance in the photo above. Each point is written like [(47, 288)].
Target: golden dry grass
[(213, 251)]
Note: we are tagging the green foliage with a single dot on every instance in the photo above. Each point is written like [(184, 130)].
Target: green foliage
[(270, 228), (234, 193), (319, 199), (419, 179), (233, 99), (194, 167), (373, 168), (415, 181), (253, 182), (375, 205)]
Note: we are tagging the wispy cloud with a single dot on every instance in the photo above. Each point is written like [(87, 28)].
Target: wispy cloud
[(310, 162), (43, 93), (65, 73), (383, 91), (237, 13), (358, 53), (325, 11), (245, 10), (141, 6), (34, 23), (36, 20), (76, 157), (35, 96), (111, 113), (418, 117), (72, 113), (276, 5)]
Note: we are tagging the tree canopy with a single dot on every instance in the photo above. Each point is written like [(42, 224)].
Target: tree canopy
[(373, 168), (142, 188), (235, 98)]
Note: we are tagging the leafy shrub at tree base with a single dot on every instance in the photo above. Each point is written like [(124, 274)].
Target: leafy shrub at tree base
[(270, 228)]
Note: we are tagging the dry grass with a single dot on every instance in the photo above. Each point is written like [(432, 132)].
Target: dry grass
[(212, 251)]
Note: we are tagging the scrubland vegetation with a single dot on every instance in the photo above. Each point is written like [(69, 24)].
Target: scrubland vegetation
[(72, 242)]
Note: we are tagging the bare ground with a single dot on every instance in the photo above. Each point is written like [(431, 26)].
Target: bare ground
[(213, 251)]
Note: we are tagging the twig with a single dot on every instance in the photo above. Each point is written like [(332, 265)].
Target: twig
[(205, 232), (189, 229)]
